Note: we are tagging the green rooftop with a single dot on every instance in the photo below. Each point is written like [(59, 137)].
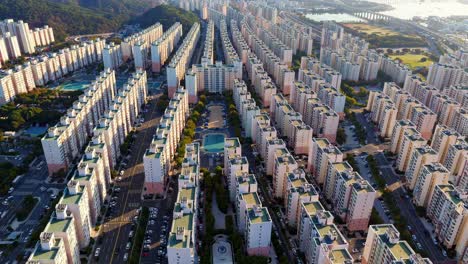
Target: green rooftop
[(263, 217), (186, 221), (341, 256), (40, 254), (251, 198), (313, 207), (188, 193), (69, 198), (58, 225)]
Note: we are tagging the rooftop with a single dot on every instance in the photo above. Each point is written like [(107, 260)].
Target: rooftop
[(258, 215), (251, 198)]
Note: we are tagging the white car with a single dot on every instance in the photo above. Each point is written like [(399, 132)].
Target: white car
[(98, 251), (125, 257)]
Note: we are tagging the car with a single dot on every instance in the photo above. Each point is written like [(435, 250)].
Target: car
[(117, 189), (444, 253), (53, 196), (119, 179), (97, 252), (125, 258), (121, 172), (5, 202), (409, 228), (414, 237), (11, 190), (46, 207), (148, 241), (129, 244), (130, 234), (419, 246)]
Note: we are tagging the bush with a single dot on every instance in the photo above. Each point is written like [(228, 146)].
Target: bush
[(139, 236), (27, 205)]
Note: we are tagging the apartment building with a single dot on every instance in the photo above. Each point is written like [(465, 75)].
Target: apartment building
[(383, 112), (322, 119), (176, 68), (112, 56), (313, 70), (353, 200), (460, 121), (424, 119), (49, 250), (75, 200), (258, 231), (237, 165), (230, 55), (147, 35), (319, 238), (213, 78), (449, 214), (163, 46), (442, 138), (455, 160), (333, 173), (181, 246), (158, 157), (410, 141), (300, 93), (397, 134), (232, 148), (444, 75), (383, 246), (62, 225), (271, 145), (300, 137), (62, 142), (298, 191), (418, 158), (430, 175), (333, 98), (247, 198), (321, 152), (284, 164), (25, 36)]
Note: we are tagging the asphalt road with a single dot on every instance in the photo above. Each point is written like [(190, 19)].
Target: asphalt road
[(116, 229), (408, 210), (30, 184)]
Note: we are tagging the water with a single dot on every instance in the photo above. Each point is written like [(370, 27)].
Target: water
[(35, 131), (74, 85), (213, 143), (407, 9), (338, 17)]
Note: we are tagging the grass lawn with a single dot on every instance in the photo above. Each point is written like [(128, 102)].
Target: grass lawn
[(370, 29), (413, 60)]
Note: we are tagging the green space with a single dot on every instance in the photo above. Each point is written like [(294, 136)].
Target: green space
[(42, 106), (413, 60), (27, 205), (9, 173), (125, 147), (189, 130), (232, 114), (167, 15), (139, 236), (383, 37)]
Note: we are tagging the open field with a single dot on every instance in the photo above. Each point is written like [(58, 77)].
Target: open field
[(412, 60), (381, 37), (370, 29)]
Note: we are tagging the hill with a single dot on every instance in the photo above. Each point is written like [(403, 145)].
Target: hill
[(70, 17), (166, 15)]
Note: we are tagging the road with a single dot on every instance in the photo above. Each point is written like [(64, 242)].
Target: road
[(407, 209), (117, 226), (30, 184)]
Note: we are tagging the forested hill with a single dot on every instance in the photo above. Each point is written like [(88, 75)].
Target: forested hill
[(166, 15), (74, 16)]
